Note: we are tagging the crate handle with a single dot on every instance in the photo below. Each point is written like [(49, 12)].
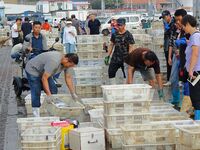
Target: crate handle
[(92, 142)]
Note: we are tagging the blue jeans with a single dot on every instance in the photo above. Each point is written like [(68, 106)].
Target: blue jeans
[(15, 55), (69, 48), (174, 79), (35, 84)]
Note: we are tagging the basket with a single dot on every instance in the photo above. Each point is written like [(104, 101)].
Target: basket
[(90, 54), (126, 92), (90, 63), (96, 116), (89, 47), (114, 138), (89, 89), (87, 72), (89, 81), (89, 38)]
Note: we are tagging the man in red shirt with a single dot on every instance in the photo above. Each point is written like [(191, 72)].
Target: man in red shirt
[(46, 26)]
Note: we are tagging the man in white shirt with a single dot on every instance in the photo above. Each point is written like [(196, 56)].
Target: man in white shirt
[(69, 37), (16, 28)]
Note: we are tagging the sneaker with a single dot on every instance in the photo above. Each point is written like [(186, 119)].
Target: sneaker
[(168, 83)]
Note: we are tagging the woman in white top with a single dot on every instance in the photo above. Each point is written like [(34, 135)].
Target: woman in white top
[(69, 37)]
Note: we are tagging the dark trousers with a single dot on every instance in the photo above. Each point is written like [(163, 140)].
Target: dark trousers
[(15, 41), (113, 68), (166, 51)]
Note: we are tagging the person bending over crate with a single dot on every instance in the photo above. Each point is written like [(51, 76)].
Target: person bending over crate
[(122, 42), (40, 71), (145, 60)]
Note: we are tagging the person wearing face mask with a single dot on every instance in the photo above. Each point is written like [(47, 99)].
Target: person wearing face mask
[(69, 37), (145, 61)]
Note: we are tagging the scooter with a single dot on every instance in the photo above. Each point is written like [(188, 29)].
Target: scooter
[(20, 83)]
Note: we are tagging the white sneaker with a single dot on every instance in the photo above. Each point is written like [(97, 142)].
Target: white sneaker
[(36, 111), (168, 83)]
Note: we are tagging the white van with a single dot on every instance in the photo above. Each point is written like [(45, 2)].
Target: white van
[(133, 21)]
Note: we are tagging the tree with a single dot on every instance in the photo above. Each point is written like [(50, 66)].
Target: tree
[(110, 4)]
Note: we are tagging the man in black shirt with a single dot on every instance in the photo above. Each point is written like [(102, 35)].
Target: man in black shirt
[(94, 25), (122, 41), (26, 27)]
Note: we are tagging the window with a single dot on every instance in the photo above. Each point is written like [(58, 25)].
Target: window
[(134, 19)]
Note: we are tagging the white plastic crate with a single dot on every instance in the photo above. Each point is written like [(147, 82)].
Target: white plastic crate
[(87, 72), (167, 116), (96, 116), (126, 107), (92, 103), (148, 134), (184, 147), (190, 136), (89, 89), (114, 138), (89, 38), (89, 47), (90, 54), (90, 62), (126, 92), (115, 121), (169, 146), (88, 81), (47, 138), (64, 106)]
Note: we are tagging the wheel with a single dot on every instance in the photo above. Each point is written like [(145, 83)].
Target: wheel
[(17, 83), (105, 32)]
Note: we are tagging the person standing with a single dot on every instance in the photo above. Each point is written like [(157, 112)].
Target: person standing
[(169, 26), (76, 24), (122, 42), (94, 25), (15, 32), (26, 27), (193, 61), (69, 37), (46, 26)]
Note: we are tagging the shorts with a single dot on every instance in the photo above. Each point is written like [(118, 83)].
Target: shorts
[(113, 68), (147, 74)]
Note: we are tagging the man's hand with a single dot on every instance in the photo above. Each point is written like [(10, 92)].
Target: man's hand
[(170, 61), (74, 96), (161, 94), (49, 99), (106, 60), (29, 49)]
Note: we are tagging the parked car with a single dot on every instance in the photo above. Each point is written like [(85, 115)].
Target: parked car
[(133, 21)]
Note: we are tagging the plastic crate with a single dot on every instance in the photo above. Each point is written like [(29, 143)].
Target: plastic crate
[(48, 138), (190, 136), (114, 138), (148, 134), (115, 121), (89, 81), (90, 54), (89, 38), (169, 146), (90, 62), (184, 147), (126, 107), (64, 106), (96, 116), (89, 89), (92, 103), (126, 92), (167, 116), (87, 72), (89, 47)]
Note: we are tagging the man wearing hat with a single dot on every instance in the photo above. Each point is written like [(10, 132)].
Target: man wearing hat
[(169, 26), (121, 44), (69, 37)]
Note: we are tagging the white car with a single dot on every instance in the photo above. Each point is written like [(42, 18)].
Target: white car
[(133, 21)]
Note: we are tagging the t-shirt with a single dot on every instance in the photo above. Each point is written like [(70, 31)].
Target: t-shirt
[(13, 32), (68, 37), (193, 41), (121, 46), (26, 28), (46, 26), (76, 24), (135, 59), (94, 26), (49, 62)]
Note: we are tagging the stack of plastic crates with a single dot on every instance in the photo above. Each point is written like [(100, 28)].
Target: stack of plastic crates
[(143, 40), (88, 74), (124, 104), (148, 137)]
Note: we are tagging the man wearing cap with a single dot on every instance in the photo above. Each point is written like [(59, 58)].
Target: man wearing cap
[(122, 42), (169, 26), (69, 37)]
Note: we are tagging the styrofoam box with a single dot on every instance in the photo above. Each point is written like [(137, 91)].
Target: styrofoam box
[(24, 123), (87, 72), (126, 92), (90, 54), (167, 116), (28, 104), (89, 46), (90, 62), (88, 138), (92, 103), (89, 89), (126, 107), (169, 146), (41, 138), (148, 134), (96, 116), (114, 138), (89, 80), (190, 136), (115, 121), (64, 106)]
